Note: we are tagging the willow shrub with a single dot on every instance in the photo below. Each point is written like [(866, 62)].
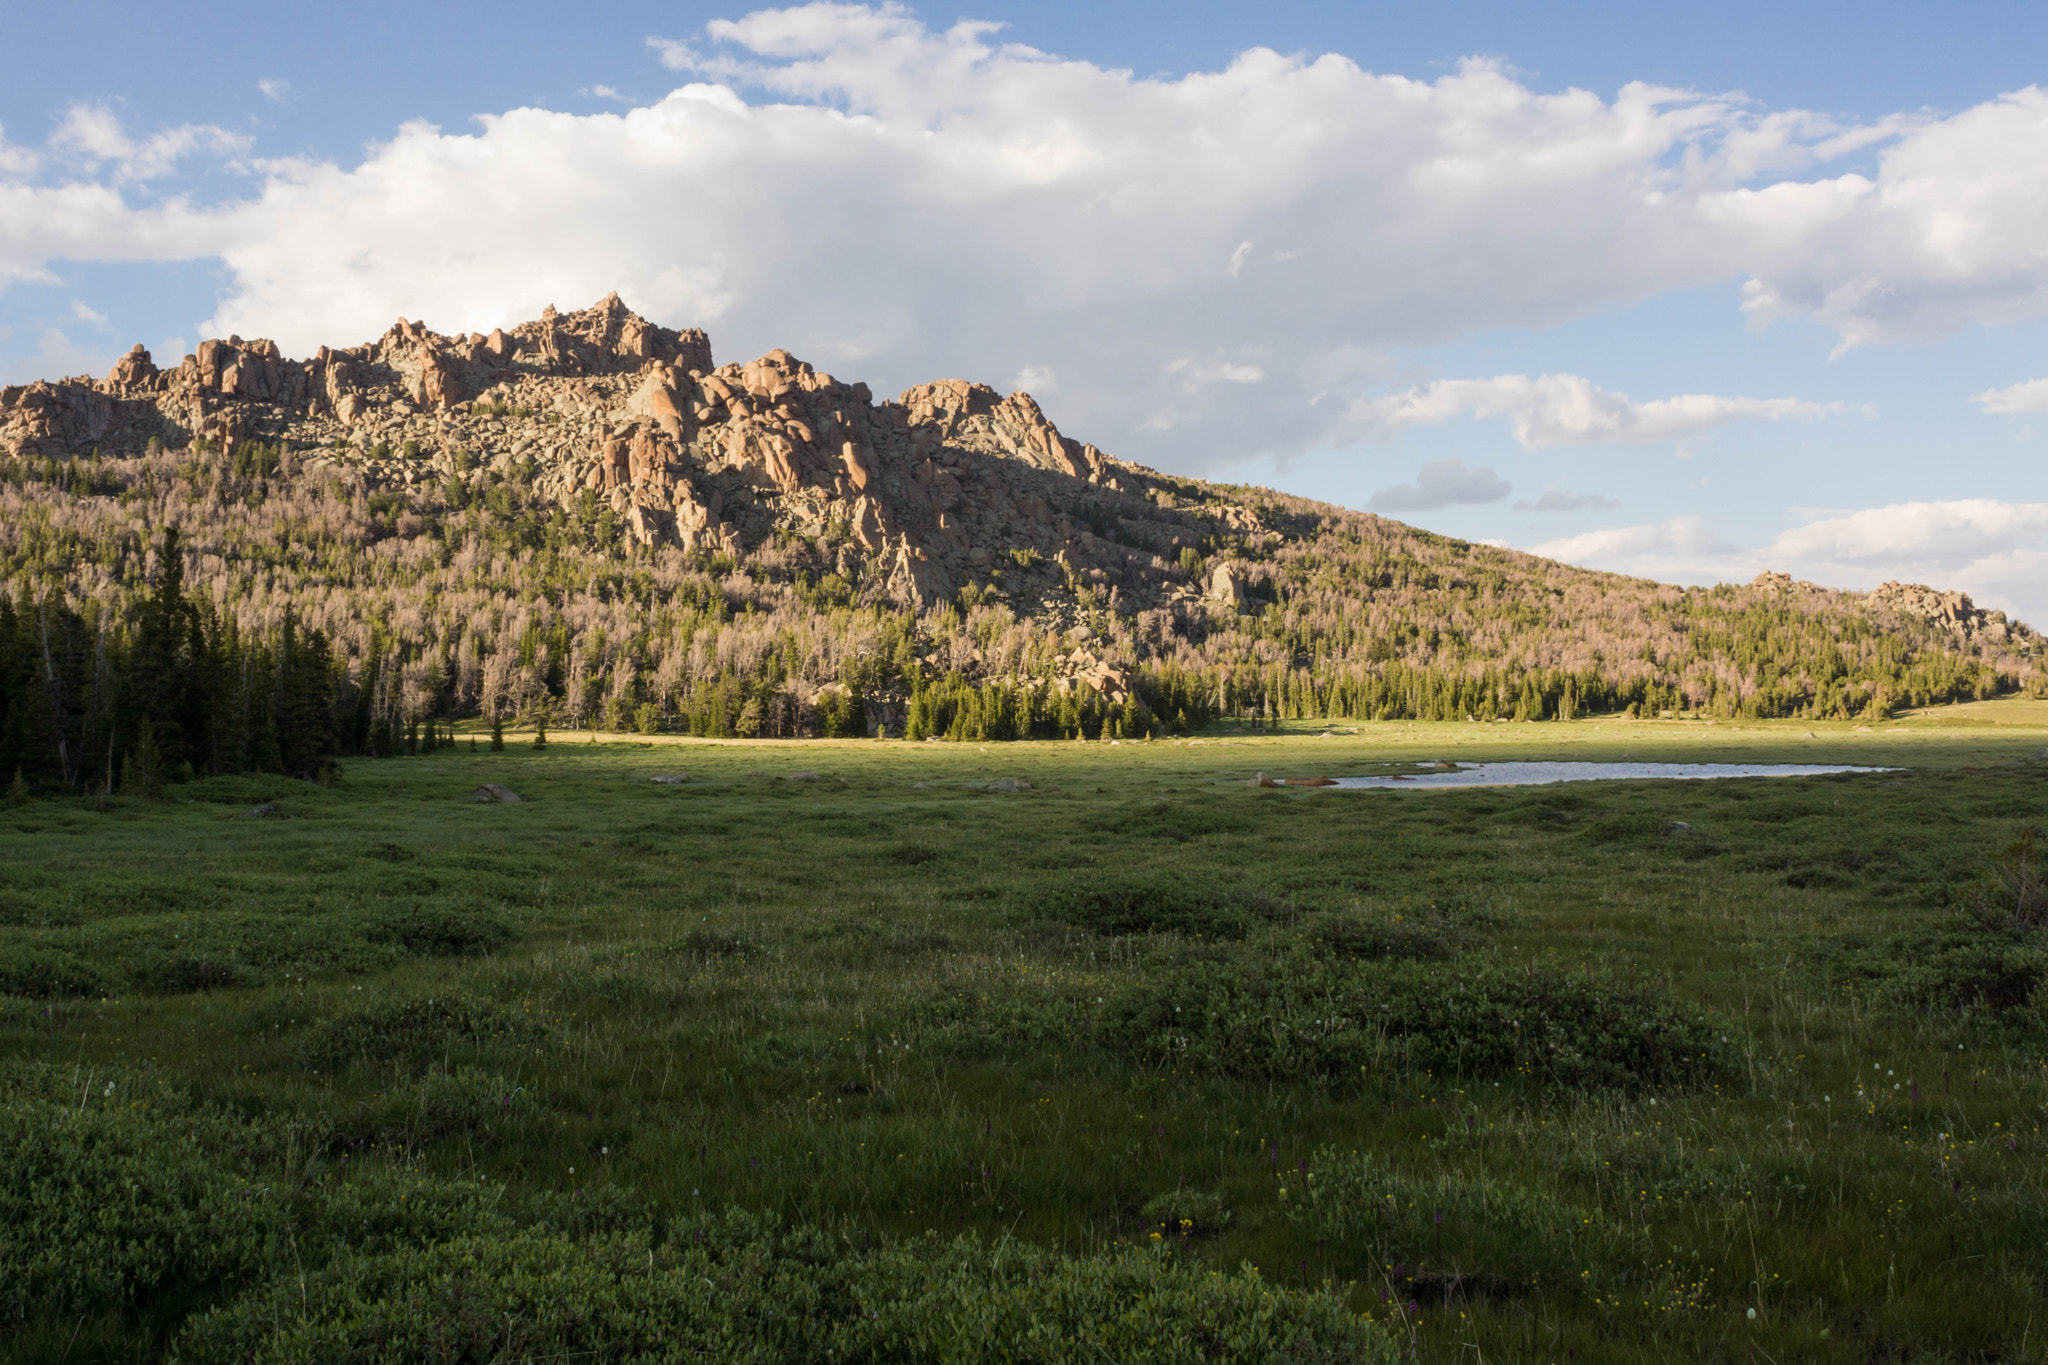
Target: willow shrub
[(1475, 1230), (109, 1207), (744, 1289), (1295, 1016)]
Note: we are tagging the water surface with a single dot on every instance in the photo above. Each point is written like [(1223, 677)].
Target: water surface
[(1536, 774)]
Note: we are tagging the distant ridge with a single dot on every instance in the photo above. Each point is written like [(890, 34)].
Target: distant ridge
[(583, 513)]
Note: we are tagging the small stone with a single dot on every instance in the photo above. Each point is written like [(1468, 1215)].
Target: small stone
[(670, 779), (494, 791)]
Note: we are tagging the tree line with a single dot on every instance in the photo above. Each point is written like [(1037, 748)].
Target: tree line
[(205, 611)]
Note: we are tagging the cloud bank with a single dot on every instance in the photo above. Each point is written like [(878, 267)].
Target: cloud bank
[(1215, 264), (1565, 410)]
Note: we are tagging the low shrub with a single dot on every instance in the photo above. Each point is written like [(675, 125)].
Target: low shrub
[(248, 790), (464, 1102), (1477, 1232), (741, 1289), (1175, 820), (1295, 1016), (111, 1208), (2014, 891), (433, 931), (1157, 904), (1961, 965), (41, 972), (1625, 829), (980, 1023), (1385, 937), (424, 1028)]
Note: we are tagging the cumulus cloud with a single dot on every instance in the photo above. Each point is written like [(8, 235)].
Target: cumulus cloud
[(1564, 410), (897, 202), (1553, 501), (91, 136), (1684, 539), (1995, 550), (56, 356), (2032, 396), (1442, 483)]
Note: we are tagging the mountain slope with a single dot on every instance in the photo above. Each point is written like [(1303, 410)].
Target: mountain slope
[(584, 516)]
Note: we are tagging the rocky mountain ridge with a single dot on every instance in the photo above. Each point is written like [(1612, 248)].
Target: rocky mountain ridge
[(762, 477), (949, 483)]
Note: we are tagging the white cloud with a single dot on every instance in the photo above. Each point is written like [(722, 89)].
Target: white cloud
[(1037, 380), (1997, 551), (674, 55), (16, 161), (1195, 374), (604, 92), (1442, 483), (1564, 409), (920, 201), (274, 89), (1917, 533), (1554, 501), (86, 313), (91, 134), (56, 357), (1684, 539), (2032, 396)]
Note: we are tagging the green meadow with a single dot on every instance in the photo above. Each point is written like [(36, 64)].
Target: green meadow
[(1055, 1051)]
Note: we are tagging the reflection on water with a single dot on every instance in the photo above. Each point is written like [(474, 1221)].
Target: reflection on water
[(1534, 774)]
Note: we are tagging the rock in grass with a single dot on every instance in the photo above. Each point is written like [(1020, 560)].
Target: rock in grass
[(495, 791), (1009, 784), (803, 777), (670, 779)]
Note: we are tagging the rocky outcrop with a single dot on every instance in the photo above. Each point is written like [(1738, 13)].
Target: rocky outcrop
[(950, 484), (230, 390), (1953, 612)]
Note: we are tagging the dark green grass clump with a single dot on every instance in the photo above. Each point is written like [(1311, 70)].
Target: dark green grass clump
[(1301, 1018), (1161, 902), (738, 1288), (234, 948), (423, 1028), (122, 1211)]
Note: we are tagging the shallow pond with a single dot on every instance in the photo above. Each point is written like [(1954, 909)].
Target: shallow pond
[(1535, 774)]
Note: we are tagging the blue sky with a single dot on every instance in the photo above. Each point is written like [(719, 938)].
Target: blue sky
[(1687, 291)]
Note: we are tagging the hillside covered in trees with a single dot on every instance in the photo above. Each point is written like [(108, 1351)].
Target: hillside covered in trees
[(249, 562)]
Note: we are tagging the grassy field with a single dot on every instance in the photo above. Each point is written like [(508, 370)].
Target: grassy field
[(1633, 1071)]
